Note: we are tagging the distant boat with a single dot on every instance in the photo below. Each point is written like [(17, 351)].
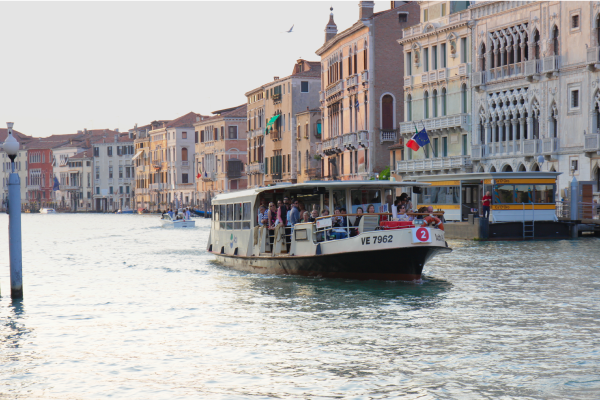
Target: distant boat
[(167, 221), (143, 211), (47, 211), (125, 211)]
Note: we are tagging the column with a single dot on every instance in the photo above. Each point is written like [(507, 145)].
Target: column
[(495, 58), (522, 52), (529, 128), (514, 134), (493, 138)]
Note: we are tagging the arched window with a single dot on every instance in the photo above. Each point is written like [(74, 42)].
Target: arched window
[(555, 40), (536, 45), (350, 63), (426, 104), (365, 63), (184, 154), (355, 61), (463, 97), (434, 103), (443, 102), (482, 65), (387, 112), (409, 108)]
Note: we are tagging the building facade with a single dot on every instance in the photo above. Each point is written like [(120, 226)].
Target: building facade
[(284, 99), (255, 169), (221, 153), (437, 90), (308, 139), (537, 88), (362, 92)]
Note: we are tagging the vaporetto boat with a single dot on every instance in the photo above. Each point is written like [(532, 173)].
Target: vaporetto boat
[(331, 246)]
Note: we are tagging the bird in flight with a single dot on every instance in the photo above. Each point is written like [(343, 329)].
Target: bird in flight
[(290, 31)]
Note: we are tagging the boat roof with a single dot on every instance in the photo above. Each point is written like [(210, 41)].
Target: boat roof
[(480, 176), (316, 184)]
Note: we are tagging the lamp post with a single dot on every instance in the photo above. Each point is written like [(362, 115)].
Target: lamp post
[(11, 146)]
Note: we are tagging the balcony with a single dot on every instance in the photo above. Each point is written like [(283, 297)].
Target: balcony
[(364, 77), (550, 65), (593, 58), (434, 164), (276, 97), (456, 121), (533, 68), (477, 151), (274, 134), (478, 80), (408, 81), (425, 77), (591, 142), (157, 186), (388, 135), (33, 187), (363, 137), (313, 172), (350, 141), (185, 163), (351, 81), (334, 89), (209, 176), (255, 168), (184, 186), (156, 164), (463, 69), (549, 146)]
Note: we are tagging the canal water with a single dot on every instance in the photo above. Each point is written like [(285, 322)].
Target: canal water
[(116, 306)]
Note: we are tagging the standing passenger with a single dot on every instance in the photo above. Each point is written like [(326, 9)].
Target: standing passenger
[(486, 204)]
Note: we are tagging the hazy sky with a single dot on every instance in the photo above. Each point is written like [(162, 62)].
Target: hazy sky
[(73, 65)]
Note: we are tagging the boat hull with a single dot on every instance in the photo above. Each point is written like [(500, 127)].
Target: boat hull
[(179, 223), (404, 264)]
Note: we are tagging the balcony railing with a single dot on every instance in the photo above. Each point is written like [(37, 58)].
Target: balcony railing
[(255, 168), (363, 137), (478, 79), (334, 89), (424, 77), (593, 55), (388, 135), (352, 81), (185, 163), (434, 164), (350, 140), (364, 76), (33, 187), (549, 145), (157, 186), (408, 81), (209, 176), (533, 68), (591, 142), (550, 64), (448, 122), (477, 151)]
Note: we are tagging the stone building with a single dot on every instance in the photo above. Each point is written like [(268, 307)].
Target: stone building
[(308, 138), (283, 99), (437, 91), (537, 88), (141, 160), (362, 90), (221, 153), (255, 169), (21, 162), (81, 169)]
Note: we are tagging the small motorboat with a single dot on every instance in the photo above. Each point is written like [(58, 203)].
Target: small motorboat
[(167, 221), (47, 211), (125, 211), (143, 211)]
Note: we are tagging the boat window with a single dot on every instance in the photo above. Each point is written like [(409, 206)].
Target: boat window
[(544, 194), (222, 215), (247, 216), (503, 194), (215, 214), (524, 193), (389, 199), (229, 216), (439, 195), (339, 199), (364, 198)]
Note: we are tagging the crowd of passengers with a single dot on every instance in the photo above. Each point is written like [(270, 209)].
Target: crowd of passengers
[(287, 214)]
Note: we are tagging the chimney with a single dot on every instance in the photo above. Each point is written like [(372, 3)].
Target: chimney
[(366, 9), (197, 118), (79, 132), (87, 142), (330, 28), (117, 130), (85, 130), (275, 78), (116, 138)]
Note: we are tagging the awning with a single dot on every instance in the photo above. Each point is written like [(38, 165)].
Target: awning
[(139, 153), (272, 120)]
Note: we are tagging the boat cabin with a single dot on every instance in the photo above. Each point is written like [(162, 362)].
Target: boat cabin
[(516, 196)]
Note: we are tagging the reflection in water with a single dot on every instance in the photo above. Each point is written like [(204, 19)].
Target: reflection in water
[(119, 307)]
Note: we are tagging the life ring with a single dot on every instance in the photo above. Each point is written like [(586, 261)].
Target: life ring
[(431, 220)]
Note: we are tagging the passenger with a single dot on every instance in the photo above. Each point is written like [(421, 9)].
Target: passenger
[(355, 231), (262, 216), (282, 218), (170, 212), (370, 209), (313, 216), (344, 218), (301, 207), (294, 213), (486, 204), (188, 215), (272, 221), (305, 217), (337, 218), (325, 213)]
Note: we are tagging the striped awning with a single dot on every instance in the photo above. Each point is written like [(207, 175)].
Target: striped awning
[(139, 153)]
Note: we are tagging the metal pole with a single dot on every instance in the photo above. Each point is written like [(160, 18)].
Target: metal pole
[(14, 234), (574, 203)]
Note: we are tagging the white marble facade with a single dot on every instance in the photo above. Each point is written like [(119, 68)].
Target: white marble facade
[(536, 88)]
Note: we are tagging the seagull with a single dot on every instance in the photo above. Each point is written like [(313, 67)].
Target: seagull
[(290, 31)]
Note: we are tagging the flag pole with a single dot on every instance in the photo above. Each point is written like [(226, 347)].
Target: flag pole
[(430, 145)]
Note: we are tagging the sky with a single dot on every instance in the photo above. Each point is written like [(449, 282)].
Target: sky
[(67, 66)]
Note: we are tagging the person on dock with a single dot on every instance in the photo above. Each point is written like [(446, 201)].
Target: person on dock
[(486, 200)]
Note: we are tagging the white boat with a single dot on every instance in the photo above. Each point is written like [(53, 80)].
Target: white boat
[(167, 221), (127, 210), (369, 248), (47, 211)]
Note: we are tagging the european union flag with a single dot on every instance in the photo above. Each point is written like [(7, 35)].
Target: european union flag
[(422, 138)]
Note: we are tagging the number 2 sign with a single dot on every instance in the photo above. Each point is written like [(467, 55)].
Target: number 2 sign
[(421, 235)]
